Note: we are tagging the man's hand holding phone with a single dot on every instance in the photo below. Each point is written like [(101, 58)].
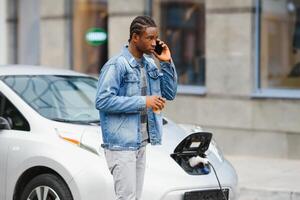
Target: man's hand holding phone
[(157, 103), (162, 51)]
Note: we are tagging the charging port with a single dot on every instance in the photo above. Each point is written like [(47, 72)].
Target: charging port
[(193, 145)]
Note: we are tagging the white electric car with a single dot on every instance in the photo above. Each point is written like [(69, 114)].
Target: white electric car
[(50, 145)]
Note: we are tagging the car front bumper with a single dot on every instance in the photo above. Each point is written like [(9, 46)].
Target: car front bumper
[(178, 184)]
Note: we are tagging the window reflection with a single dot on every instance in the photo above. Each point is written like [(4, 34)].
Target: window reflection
[(280, 44), (58, 97), (182, 26), (89, 14)]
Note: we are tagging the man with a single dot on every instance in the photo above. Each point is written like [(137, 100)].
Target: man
[(130, 89)]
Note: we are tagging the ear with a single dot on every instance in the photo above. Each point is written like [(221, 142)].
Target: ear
[(135, 37)]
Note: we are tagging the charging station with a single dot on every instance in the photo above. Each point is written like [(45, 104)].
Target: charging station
[(193, 148)]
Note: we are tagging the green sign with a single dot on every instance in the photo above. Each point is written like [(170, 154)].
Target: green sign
[(96, 36)]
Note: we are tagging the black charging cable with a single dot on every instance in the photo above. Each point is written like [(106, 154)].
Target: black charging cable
[(224, 196)]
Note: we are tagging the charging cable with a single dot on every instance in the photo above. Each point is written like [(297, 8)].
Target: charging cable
[(196, 160), (224, 196)]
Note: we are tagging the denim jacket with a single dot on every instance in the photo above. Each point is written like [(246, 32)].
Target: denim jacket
[(119, 99)]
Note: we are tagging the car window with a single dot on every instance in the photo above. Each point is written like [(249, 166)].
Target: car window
[(12, 114), (60, 98)]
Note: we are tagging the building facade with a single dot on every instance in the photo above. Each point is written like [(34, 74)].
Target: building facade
[(238, 61)]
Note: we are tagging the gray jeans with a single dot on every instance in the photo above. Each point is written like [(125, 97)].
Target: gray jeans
[(128, 169)]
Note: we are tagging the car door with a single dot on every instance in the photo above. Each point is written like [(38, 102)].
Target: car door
[(3, 155), (18, 125), (3, 159)]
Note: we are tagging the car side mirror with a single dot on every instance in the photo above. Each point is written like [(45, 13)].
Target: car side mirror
[(4, 124)]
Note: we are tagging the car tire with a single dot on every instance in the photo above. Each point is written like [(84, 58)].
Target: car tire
[(49, 185)]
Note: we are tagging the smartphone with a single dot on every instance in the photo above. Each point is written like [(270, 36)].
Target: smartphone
[(158, 48)]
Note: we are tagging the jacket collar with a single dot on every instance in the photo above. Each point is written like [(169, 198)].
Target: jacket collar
[(129, 57)]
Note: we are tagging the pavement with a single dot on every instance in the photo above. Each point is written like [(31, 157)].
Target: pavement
[(267, 178)]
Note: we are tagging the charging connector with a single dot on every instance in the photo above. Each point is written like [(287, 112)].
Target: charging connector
[(196, 160)]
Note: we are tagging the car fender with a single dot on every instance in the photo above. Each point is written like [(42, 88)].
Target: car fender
[(64, 158)]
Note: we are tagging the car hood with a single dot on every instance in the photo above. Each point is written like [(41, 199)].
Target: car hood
[(162, 170), (89, 137)]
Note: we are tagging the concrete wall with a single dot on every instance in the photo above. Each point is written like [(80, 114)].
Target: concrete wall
[(268, 128), (3, 32), (55, 34), (29, 32), (39, 32), (229, 47), (121, 13), (11, 42)]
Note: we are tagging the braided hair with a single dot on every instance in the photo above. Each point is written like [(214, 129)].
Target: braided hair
[(139, 24)]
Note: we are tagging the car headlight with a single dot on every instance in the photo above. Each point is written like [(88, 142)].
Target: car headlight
[(87, 142)]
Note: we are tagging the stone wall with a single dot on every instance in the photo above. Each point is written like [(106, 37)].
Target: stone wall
[(121, 13), (11, 25), (55, 35), (3, 37), (39, 32)]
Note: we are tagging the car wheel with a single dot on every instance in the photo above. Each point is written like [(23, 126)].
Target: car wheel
[(46, 186)]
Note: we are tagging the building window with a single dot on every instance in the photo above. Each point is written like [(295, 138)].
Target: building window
[(278, 45), (89, 15), (182, 26)]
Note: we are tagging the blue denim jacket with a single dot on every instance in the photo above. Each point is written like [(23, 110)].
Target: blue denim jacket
[(119, 99)]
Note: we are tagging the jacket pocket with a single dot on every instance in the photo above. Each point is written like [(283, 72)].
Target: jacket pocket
[(154, 74), (154, 81), (131, 84), (131, 78)]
